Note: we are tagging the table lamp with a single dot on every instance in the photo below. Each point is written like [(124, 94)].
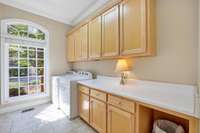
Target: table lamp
[(122, 67)]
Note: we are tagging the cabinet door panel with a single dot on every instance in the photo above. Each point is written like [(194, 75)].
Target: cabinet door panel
[(84, 42), (77, 36), (70, 48), (84, 106), (133, 26), (110, 32), (120, 121), (95, 38), (98, 115)]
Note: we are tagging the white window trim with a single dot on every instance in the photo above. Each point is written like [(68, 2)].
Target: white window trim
[(4, 76)]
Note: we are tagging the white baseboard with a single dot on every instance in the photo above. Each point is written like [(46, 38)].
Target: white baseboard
[(20, 106)]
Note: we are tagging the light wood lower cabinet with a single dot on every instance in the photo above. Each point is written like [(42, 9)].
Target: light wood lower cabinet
[(84, 106), (108, 113), (120, 121), (98, 115)]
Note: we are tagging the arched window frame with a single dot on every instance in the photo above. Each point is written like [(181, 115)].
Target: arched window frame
[(4, 74)]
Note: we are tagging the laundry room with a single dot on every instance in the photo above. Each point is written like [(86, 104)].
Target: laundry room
[(100, 66)]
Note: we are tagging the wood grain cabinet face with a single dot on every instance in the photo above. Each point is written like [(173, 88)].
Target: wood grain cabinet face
[(120, 121), (98, 115), (81, 43), (84, 42), (95, 38), (71, 48), (133, 27), (84, 106), (77, 39), (110, 32)]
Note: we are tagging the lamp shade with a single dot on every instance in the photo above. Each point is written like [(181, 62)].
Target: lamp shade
[(122, 65)]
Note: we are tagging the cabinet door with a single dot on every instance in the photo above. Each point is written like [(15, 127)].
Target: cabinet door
[(70, 48), (133, 27), (95, 38), (98, 115), (77, 39), (110, 32), (120, 121), (84, 42), (84, 106)]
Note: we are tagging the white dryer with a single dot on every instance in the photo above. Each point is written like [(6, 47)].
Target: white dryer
[(65, 92)]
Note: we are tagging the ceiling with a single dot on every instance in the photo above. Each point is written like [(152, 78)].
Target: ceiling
[(66, 11)]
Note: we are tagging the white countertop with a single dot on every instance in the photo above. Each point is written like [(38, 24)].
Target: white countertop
[(175, 97)]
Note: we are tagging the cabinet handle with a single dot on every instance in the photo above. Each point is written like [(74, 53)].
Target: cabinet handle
[(97, 94), (120, 103)]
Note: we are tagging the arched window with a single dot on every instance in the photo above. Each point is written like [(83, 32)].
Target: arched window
[(24, 60)]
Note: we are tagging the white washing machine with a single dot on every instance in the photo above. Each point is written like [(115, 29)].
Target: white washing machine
[(65, 92)]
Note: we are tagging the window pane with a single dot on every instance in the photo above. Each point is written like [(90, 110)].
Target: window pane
[(13, 52), (32, 89), (22, 30), (41, 88), (40, 71), (32, 54), (32, 63), (24, 81), (13, 87), (13, 62), (40, 49), (23, 72), (23, 63), (40, 63), (32, 71), (32, 81), (36, 34), (12, 31), (18, 30), (40, 54), (23, 90), (13, 92), (23, 52), (40, 80), (13, 83), (13, 72)]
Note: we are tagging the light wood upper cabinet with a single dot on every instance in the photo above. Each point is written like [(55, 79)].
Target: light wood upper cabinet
[(84, 106), (95, 38), (133, 27), (81, 43), (125, 28), (70, 48), (120, 121), (77, 40), (110, 32), (84, 42), (98, 115)]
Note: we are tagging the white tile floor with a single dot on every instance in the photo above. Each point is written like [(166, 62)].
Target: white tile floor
[(44, 119)]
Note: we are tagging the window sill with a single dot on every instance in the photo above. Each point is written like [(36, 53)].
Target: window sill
[(25, 98)]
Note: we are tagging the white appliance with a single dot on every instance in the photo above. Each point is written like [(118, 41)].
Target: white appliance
[(65, 92)]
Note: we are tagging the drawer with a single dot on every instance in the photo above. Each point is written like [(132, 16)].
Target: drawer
[(122, 103), (98, 95), (84, 89)]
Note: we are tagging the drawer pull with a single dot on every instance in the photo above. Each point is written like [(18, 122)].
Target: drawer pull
[(97, 94), (120, 103)]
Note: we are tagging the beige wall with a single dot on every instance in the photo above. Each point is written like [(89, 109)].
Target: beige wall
[(177, 36), (57, 31)]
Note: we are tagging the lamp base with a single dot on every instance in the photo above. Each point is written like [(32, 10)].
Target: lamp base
[(123, 78)]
